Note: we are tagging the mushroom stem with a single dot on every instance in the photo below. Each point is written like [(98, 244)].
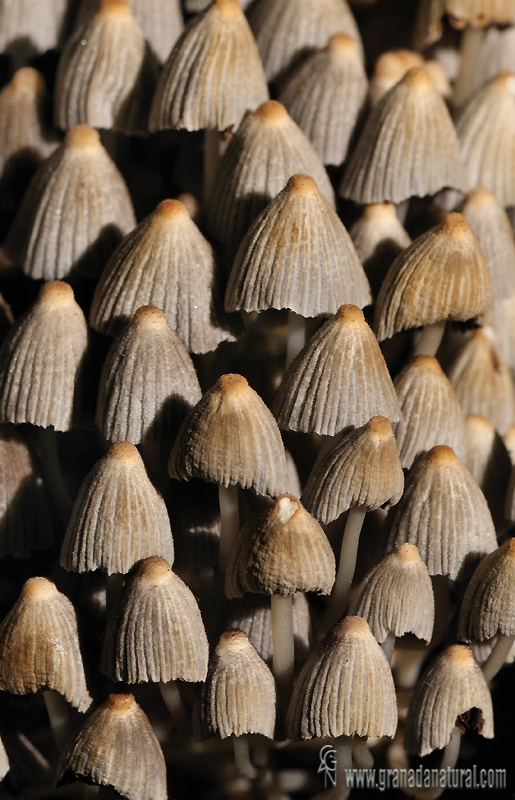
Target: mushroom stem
[(471, 40), (498, 656), (230, 524), (449, 761), (242, 757), (362, 755), (388, 646), (296, 337), (283, 645), (49, 458), (343, 747), (430, 339), (59, 716), (173, 701), (211, 160), (401, 210), (346, 566)]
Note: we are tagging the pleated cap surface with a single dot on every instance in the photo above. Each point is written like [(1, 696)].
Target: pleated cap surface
[(444, 513), (148, 382), (165, 262), (41, 361), (431, 412), (442, 275), (488, 607), (325, 96), (231, 438), (452, 685), (409, 146), (39, 645), (339, 379), (37, 28), (362, 469), (297, 255), (378, 237), (238, 696), (118, 518), (161, 23), (155, 632), (282, 551), (266, 150), (105, 76), (213, 75), (397, 596), (75, 212), (115, 738), (345, 687)]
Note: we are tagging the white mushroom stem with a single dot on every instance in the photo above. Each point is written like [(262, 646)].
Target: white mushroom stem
[(211, 161), (296, 337), (471, 41), (346, 566), (242, 757), (362, 755), (430, 339), (59, 716), (498, 656), (54, 481), (388, 646), (230, 525), (343, 747), (283, 645), (449, 761)]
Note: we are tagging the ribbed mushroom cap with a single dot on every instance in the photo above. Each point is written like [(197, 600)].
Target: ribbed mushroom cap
[(115, 738), (439, 78), (106, 76), (160, 22), (41, 361), (345, 687), (482, 381), (408, 147), (442, 275), (297, 255), (339, 379), (25, 137), (39, 645), (362, 469), (378, 237), (213, 74), (489, 463), (155, 632), (238, 696), (325, 95), (461, 13), (119, 517), (286, 29), (397, 596), (231, 438), (444, 513), (452, 685), (488, 607), (282, 551), (148, 382), (486, 129), (495, 53), (75, 212), (389, 69), (26, 521), (35, 28), (165, 262), (266, 150), (431, 412)]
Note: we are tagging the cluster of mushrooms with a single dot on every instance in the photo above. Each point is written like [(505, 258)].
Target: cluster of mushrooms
[(257, 404)]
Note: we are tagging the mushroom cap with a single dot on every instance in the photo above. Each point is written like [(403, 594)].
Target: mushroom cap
[(390, 68), (488, 607), (490, 465)]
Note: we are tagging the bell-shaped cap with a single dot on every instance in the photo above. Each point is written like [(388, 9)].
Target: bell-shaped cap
[(452, 685), (161, 24), (118, 518), (431, 412), (115, 738), (408, 147), (362, 469), (42, 361), (325, 96), (339, 379), (266, 150), (444, 513), (397, 596), (389, 69), (213, 74), (167, 263), (282, 551), (297, 255), (75, 212), (488, 607), (442, 275), (231, 438), (345, 687), (489, 463), (238, 696), (39, 645), (148, 382), (106, 75), (27, 30), (155, 631)]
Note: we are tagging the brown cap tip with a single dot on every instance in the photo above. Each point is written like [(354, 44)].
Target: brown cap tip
[(125, 453), (380, 427), (28, 81), (460, 654), (350, 315), (56, 293), (171, 211), (115, 8), (150, 317), (510, 548), (427, 364), (355, 626), (408, 554), (38, 589), (505, 81), (480, 197), (286, 507), (342, 44), (83, 137), (122, 703), (228, 8), (232, 640), (442, 456), (232, 385), (379, 211), (302, 185), (272, 113), (455, 225), (418, 80), (155, 569)]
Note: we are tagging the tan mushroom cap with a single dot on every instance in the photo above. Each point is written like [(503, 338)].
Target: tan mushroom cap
[(488, 607), (389, 69)]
